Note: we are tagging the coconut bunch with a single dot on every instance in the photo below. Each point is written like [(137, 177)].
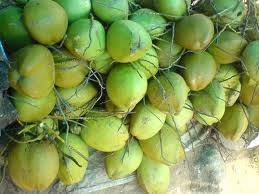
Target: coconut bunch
[(127, 78)]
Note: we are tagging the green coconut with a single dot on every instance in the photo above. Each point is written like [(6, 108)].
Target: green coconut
[(104, 132), (164, 147), (194, 32), (32, 72), (171, 9), (103, 63), (227, 47), (146, 121), (236, 16), (45, 20), (250, 58), (134, 41), (249, 91), (200, 69), (209, 104), (126, 86), (110, 11), (253, 112), (77, 100), (33, 109), (12, 30), (124, 161), (111, 108), (69, 71), (228, 76), (153, 176), (180, 120), (168, 50), (149, 63), (75, 9), (234, 122), (231, 12), (233, 94), (33, 166), (72, 171), (168, 93), (154, 23), (118, 112), (86, 39)]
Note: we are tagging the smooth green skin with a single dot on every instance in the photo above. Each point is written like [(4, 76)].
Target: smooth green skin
[(153, 176), (154, 23), (149, 63), (194, 32), (231, 11), (171, 9), (75, 9), (146, 121), (227, 48), (12, 31), (86, 39), (164, 147), (209, 103), (103, 63), (250, 58), (110, 11), (69, 172), (78, 96), (104, 132), (33, 71), (45, 20), (180, 120), (253, 112), (33, 166), (69, 71), (77, 70), (228, 76), (33, 109), (170, 94), (126, 86), (124, 161), (168, 53), (134, 41), (200, 70), (249, 91), (234, 122)]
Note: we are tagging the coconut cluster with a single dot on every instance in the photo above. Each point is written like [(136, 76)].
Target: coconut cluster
[(125, 77)]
